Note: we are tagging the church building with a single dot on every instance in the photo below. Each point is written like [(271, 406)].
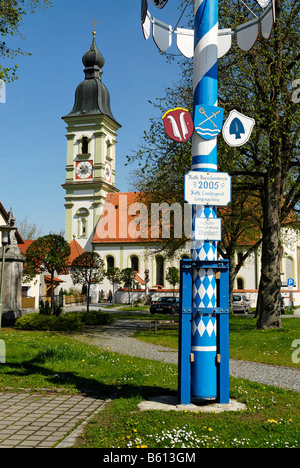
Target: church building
[(100, 218), (90, 190)]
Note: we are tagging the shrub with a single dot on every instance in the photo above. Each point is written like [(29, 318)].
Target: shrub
[(45, 309), (71, 321), (96, 318), (49, 322)]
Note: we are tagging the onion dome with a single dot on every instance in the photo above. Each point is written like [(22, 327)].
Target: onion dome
[(92, 96)]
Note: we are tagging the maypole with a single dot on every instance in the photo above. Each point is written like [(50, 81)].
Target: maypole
[(204, 159), (203, 364)]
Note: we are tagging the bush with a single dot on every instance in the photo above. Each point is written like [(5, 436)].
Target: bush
[(49, 322), (96, 318), (71, 321), (44, 308)]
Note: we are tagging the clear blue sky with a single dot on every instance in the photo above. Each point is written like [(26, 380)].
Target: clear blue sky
[(33, 143)]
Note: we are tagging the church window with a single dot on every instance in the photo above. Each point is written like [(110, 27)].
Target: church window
[(135, 263), (83, 227), (240, 257), (109, 150), (84, 145), (289, 268), (110, 262), (82, 215), (159, 271)]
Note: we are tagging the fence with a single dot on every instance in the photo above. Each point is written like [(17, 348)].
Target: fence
[(28, 302), (74, 299)]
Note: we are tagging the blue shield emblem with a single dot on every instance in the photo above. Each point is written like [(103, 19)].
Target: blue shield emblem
[(208, 121)]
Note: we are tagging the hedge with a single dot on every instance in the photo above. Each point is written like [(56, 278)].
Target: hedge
[(71, 321)]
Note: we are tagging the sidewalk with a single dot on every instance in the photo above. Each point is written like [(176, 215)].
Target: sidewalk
[(39, 420)]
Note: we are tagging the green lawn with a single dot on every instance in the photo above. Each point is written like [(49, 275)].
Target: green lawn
[(48, 361), (245, 341)]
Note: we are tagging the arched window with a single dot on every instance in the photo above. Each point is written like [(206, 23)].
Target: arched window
[(85, 145), (83, 227), (135, 263), (289, 268), (82, 215), (160, 270), (110, 262)]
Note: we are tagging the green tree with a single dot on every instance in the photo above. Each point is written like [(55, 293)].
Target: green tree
[(257, 83), (173, 277), (127, 278), (49, 253), (114, 276), (87, 269)]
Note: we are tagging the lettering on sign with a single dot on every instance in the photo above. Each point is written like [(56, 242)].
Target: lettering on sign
[(207, 188), (208, 229)]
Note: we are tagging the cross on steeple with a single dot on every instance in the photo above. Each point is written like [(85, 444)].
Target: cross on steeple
[(94, 24)]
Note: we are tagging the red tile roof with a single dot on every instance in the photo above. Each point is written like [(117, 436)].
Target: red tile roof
[(76, 250), (23, 247), (118, 225)]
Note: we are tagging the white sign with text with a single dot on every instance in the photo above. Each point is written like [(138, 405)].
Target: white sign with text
[(207, 188), (208, 229)]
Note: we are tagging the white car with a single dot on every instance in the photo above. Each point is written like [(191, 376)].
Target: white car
[(240, 303)]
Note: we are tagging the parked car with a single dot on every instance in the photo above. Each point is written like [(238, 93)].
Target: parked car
[(165, 305), (240, 303)]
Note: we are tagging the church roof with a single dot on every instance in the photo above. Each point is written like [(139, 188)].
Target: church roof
[(76, 250), (117, 224), (92, 96)]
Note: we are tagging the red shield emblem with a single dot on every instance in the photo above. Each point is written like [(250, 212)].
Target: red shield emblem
[(178, 124)]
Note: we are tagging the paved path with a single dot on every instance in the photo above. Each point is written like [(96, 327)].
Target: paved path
[(39, 420), (42, 420), (118, 339)]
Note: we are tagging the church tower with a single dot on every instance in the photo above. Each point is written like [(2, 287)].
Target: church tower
[(91, 144)]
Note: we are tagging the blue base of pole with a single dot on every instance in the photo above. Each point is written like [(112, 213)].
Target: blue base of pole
[(212, 381)]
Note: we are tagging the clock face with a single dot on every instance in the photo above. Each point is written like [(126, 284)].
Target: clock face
[(84, 170), (107, 172)]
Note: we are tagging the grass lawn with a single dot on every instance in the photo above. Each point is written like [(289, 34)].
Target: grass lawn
[(40, 361), (246, 342)]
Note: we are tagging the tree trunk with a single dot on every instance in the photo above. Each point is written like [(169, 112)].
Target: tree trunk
[(52, 293), (268, 302), (88, 298)]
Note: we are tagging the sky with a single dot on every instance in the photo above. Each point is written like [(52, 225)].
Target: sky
[(32, 134)]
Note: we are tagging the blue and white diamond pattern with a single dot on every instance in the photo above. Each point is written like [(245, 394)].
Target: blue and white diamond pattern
[(204, 288), (210, 327)]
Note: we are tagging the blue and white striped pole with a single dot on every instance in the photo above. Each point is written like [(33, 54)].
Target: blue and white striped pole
[(204, 158)]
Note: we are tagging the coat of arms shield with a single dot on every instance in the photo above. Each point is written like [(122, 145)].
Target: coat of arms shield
[(237, 128), (208, 121), (178, 124)]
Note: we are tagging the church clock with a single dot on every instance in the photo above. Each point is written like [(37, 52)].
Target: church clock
[(84, 170), (107, 172)]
